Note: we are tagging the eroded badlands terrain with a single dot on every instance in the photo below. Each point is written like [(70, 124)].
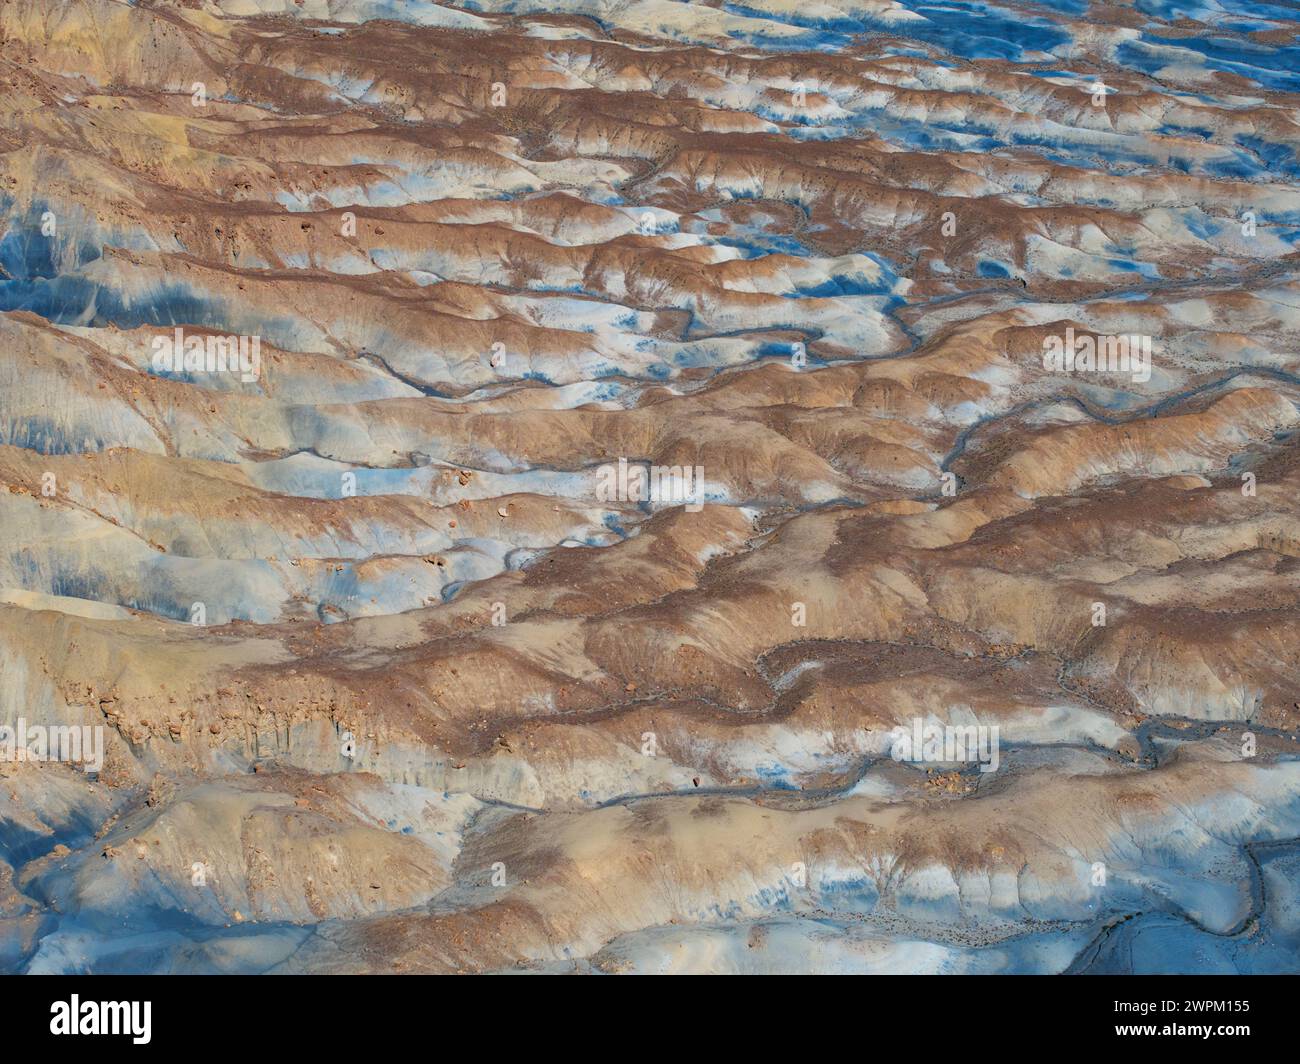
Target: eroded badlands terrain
[(339, 338)]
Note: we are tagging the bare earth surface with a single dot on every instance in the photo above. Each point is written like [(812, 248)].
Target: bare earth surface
[(399, 662)]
